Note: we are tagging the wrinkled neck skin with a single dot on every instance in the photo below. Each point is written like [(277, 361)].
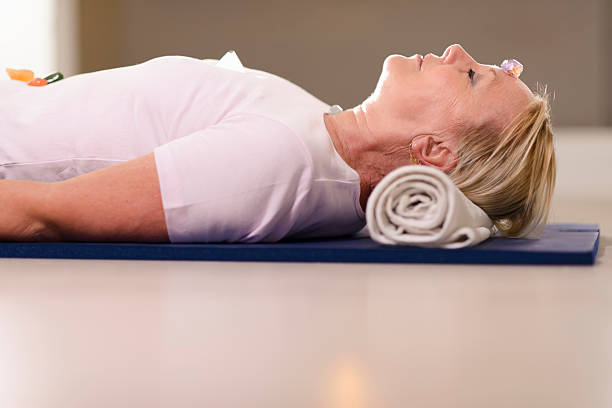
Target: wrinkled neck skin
[(357, 136)]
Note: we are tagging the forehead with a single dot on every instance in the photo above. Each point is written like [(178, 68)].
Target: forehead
[(501, 97), (503, 78)]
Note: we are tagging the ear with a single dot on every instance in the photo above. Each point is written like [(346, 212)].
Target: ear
[(434, 153)]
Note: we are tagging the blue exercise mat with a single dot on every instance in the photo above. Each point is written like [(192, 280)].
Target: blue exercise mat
[(560, 244)]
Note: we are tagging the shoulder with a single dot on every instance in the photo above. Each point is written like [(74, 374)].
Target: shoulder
[(269, 138), (251, 177), (247, 149)]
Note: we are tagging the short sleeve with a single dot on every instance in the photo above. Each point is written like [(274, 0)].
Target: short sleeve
[(243, 179)]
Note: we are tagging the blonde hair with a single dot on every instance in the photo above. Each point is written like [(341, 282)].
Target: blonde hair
[(511, 175)]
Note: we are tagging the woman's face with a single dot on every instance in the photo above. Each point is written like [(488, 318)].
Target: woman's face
[(440, 96)]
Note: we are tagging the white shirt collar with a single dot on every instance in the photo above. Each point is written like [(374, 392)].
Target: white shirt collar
[(231, 61)]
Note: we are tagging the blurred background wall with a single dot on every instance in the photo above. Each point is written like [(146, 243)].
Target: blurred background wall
[(335, 49)]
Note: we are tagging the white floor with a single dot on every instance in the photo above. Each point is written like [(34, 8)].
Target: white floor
[(77, 333)]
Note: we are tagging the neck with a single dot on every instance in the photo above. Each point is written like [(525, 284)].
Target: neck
[(352, 139)]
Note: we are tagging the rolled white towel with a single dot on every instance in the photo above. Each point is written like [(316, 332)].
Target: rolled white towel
[(420, 206)]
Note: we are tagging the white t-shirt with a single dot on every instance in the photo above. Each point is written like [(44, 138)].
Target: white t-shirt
[(242, 155)]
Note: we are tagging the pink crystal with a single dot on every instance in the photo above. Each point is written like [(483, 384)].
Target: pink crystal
[(512, 67)]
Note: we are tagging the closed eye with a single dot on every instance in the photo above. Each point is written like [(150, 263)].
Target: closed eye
[(471, 73)]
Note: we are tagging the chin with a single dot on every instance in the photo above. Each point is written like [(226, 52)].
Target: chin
[(396, 59), (400, 65)]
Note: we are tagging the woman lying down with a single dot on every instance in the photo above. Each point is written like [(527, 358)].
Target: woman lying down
[(186, 150)]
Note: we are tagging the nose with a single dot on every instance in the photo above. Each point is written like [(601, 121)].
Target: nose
[(454, 53)]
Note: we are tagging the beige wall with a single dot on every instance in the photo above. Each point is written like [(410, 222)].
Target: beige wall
[(334, 49)]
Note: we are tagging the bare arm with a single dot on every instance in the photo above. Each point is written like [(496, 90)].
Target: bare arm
[(117, 203), (18, 199)]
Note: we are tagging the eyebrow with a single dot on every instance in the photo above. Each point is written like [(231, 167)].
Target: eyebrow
[(494, 73), (495, 77)]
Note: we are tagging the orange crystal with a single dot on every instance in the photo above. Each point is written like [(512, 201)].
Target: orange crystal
[(24, 75)]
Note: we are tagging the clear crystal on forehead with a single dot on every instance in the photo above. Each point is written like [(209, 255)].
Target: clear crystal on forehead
[(512, 67)]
